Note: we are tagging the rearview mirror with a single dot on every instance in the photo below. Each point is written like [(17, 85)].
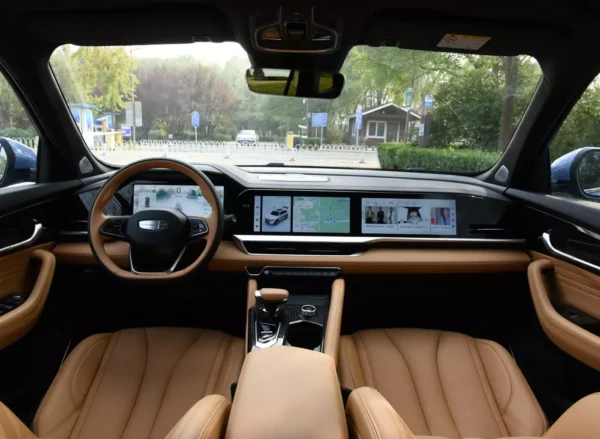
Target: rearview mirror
[(297, 83), (577, 173)]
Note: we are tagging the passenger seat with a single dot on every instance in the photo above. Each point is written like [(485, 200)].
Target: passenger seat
[(443, 383)]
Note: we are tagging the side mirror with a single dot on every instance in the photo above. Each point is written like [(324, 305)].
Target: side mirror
[(18, 163), (297, 83), (578, 173)]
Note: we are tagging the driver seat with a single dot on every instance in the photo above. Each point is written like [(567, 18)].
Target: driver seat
[(137, 383)]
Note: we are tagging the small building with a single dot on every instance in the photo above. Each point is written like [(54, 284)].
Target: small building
[(383, 123)]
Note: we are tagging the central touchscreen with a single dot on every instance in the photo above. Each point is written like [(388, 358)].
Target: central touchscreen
[(400, 216), (284, 214), (186, 198)]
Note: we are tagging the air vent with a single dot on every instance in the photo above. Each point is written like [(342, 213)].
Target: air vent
[(303, 248)]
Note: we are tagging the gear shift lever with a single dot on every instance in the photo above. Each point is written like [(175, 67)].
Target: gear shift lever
[(270, 299)]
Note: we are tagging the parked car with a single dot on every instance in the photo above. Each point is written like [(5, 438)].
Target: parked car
[(247, 137), (277, 216)]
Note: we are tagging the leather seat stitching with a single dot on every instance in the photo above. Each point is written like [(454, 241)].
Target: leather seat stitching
[(367, 413), (487, 396), (100, 377), (137, 396), (385, 331), (347, 349), (212, 419), (364, 349), (212, 368), (162, 400), (437, 368), (510, 379)]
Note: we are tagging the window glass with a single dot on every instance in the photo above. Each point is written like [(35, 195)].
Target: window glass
[(575, 151), (18, 138), (443, 112)]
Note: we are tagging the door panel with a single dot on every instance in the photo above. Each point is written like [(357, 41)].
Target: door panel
[(27, 273), (553, 284)]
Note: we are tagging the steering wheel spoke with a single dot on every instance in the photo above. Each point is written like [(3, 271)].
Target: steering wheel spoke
[(198, 227), (115, 227)]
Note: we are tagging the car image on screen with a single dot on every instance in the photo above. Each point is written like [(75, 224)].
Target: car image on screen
[(276, 216)]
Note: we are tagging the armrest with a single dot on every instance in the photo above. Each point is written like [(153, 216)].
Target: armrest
[(572, 339), (11, 427), (207, 419), (581, 421), (370, 416), (287, 392), (18, 322)]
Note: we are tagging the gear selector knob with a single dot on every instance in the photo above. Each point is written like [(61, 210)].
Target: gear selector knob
[(271, 298)]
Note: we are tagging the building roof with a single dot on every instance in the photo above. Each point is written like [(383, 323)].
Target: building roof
[(381, 107)]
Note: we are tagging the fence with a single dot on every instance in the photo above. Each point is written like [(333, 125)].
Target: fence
[(128, 150)]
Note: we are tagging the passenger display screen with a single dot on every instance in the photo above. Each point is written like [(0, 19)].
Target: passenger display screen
[(186, 198), (400, 216), (321, 215)]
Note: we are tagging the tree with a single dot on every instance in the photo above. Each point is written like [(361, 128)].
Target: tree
[(509, 95)]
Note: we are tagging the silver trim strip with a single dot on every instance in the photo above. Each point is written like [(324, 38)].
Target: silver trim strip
[(368, 239), (588, 232), (170, 270), (37, 232), (554, 250)]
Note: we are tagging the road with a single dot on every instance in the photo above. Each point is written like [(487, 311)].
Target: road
[(250, 157)]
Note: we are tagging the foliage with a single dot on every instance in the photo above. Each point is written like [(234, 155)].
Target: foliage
[(582, 125), (403, 156), (12, 113), (18, 133)]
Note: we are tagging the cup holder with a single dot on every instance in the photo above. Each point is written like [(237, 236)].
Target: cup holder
[(303, 334)]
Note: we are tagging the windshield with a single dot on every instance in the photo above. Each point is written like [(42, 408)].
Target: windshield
[(400, 109)]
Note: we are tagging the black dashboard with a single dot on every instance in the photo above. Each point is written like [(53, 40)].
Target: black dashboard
[(307, 211)]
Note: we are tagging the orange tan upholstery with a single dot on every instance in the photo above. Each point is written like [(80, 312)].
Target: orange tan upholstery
[(443, 383), (370, 416), (138, 383), (207, 419)]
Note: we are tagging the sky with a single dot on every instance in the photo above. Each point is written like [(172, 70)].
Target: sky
[(213, 53)]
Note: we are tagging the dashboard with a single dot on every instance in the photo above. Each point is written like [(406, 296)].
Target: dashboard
[(390, 219)]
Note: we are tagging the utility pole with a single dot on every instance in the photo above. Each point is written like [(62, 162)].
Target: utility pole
[(412, 90), (132, 95)]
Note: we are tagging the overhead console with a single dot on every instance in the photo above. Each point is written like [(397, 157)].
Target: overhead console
[(301, 222)]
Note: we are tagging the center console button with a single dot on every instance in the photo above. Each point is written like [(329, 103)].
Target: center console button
[(308, 311)]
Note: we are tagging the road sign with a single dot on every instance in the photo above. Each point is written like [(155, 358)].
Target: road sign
[(125, 130), (359, 117), (428, 102), (319, 119), (409, 95), (170, 136), (195, 119), (421, 130), (129, 113)]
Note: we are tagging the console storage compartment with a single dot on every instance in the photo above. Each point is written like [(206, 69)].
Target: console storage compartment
[(287, 392)]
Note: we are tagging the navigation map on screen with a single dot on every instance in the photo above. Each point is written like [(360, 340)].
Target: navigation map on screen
[(321, 215)]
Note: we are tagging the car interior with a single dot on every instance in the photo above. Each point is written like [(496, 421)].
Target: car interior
[(476, 316)]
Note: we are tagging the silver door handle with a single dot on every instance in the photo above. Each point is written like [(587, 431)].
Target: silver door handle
[(37, 232), (552, 249)]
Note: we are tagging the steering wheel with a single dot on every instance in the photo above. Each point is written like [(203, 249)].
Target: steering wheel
[(158, 238)]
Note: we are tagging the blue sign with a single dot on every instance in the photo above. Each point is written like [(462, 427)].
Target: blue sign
[(359, 117), (195, 119), (428, 102), (409, 95), (319, 119), (126, 130)]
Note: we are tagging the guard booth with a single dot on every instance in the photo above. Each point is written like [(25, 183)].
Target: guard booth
[(83, 115)]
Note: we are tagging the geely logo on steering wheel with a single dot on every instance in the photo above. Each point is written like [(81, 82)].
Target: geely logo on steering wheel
[(153, 225)]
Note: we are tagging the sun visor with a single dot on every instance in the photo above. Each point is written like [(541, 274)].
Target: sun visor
[(132, 27), (448, 33)]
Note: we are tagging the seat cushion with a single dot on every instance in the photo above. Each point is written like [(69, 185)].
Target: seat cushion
[(443, 383), (137, 383)]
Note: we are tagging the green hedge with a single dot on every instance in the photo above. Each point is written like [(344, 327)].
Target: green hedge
[(404, 156)]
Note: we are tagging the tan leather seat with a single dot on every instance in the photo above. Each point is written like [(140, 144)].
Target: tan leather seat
[(137, 383), (443, 383)]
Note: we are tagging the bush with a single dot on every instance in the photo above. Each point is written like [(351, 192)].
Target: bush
[(17, 133), (402, 156)]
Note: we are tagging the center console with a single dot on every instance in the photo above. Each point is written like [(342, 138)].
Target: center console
[(295, 306)]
